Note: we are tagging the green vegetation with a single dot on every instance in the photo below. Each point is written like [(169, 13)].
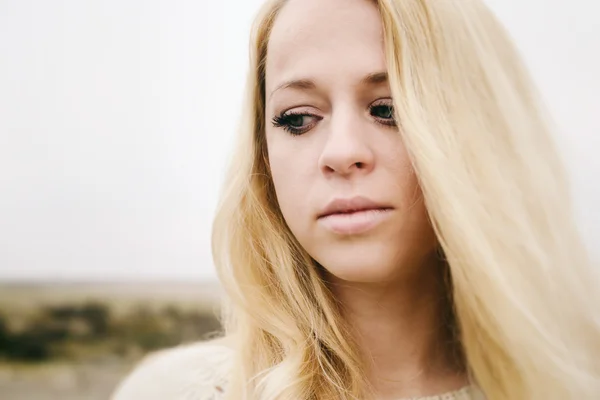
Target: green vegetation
[(91, 331)]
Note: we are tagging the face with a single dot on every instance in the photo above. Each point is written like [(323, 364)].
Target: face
[(341, 173)]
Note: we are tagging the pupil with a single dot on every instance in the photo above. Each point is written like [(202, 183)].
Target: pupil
[(383, 112), (296, 120)]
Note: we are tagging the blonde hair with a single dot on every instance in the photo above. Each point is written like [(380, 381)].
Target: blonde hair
[(524, 293)]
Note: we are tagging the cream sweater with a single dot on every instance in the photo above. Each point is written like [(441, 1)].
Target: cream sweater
[(199, 372)]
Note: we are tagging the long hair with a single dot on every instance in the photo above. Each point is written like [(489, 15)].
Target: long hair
[(523, 291)]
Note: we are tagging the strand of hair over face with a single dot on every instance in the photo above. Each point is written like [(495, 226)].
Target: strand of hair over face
[(497, 193)]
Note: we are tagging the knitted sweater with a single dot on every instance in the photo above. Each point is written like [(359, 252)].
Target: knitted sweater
[(199, 372)]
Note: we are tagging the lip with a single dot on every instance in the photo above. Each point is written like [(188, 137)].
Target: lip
[(353, 216)]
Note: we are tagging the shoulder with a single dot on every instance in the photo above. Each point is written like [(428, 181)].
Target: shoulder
[(196, 371)]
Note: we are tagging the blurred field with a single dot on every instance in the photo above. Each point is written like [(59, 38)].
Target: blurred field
[(77, 341)]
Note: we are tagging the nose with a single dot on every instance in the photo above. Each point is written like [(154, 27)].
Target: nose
[(346, 150)]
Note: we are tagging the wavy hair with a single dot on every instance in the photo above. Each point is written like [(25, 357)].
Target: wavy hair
[(523, 291)]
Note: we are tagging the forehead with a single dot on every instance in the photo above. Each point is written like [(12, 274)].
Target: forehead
[(325, 40)]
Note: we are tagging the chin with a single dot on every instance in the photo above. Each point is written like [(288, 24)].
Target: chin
[(359, 266)]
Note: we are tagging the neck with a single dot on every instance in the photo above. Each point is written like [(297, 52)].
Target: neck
[(402, 330)]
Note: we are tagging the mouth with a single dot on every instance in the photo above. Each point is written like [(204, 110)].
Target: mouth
[(351, 206), (353, 216), (354, 211)]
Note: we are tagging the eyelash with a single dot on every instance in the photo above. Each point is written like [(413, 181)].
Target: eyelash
[(283, 120)]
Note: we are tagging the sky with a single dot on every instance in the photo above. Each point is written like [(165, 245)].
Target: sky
[(117, 119)]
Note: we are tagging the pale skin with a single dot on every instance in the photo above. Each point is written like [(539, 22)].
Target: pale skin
[(331, 134)]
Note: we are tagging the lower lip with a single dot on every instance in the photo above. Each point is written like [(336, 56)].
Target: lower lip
[(354, 223)]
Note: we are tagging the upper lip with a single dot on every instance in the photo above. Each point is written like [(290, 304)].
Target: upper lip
[(353, 204)]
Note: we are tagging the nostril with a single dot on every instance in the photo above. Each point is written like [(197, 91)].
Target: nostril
[(360, 165)]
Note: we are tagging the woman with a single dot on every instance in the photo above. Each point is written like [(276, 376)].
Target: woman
[(396, 222)]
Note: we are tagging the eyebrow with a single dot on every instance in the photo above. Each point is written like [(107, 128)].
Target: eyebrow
[(302, 84), (373, 79)]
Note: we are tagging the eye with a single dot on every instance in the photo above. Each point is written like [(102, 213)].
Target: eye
[(295, 123), (296, 120), (383, 113)]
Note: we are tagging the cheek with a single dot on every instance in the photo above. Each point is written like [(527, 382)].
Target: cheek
[(293, 177), (417, 233), (416, 225)]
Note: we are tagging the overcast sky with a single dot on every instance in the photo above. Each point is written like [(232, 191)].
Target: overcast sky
[(117, 118)]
